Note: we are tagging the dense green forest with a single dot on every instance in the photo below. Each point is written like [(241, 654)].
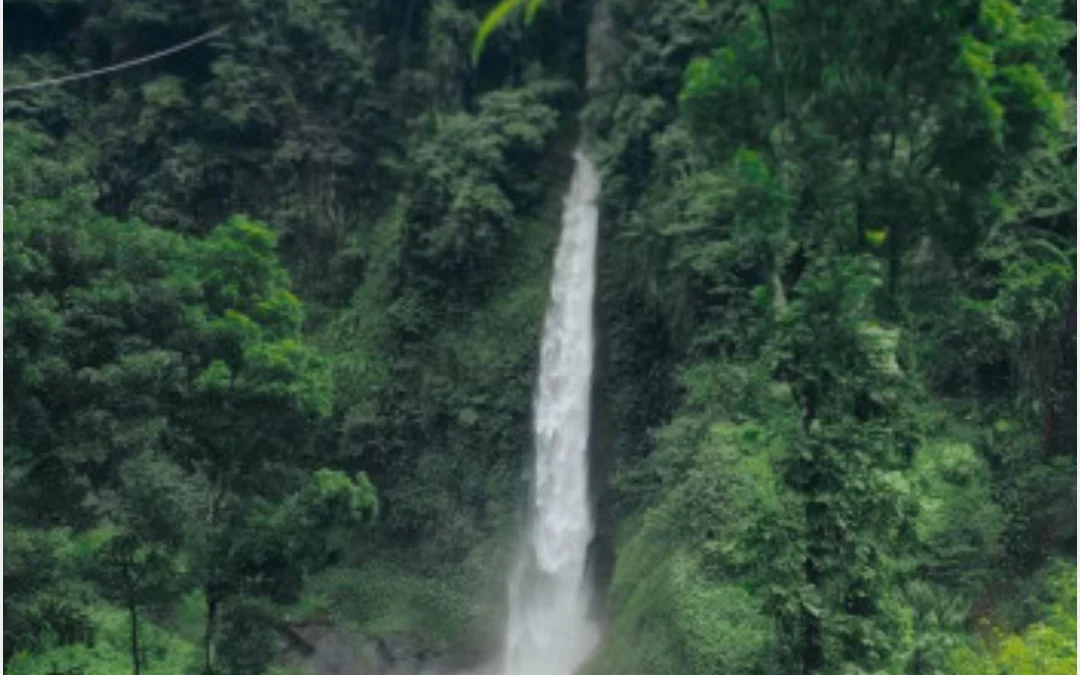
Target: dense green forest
[(272, 309)]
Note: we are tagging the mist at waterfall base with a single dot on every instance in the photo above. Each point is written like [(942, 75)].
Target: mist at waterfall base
[(549, 631)]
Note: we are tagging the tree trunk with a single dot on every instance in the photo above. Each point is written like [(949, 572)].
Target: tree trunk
[(405, 38), (208, 638), (895, 252), (1060, 429), (812, 655), (135, 665), (779, 299)]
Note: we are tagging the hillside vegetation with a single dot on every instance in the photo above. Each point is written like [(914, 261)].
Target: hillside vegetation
[(272, 313)]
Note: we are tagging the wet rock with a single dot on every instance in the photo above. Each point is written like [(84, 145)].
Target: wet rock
[(331, 651), (321, 648)]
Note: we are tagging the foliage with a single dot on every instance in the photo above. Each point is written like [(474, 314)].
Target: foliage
[(108, 654), (836, 327), (803, 259), (180, 398), (47, 604), (958, 522), (1047, 646), (438, 346), (680, 604)]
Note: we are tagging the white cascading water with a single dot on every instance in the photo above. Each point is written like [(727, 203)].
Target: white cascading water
[(549, 630)]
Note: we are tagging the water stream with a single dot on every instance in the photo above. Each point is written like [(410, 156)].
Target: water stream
[(549, 631)]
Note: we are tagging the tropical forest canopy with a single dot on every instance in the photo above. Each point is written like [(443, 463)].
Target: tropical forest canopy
[(272, 310)]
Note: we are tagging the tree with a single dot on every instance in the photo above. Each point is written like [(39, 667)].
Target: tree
[(47, 602), (786, 238), (140, 547), (260, 557), (90, 304), (161, 399), (254, 393)]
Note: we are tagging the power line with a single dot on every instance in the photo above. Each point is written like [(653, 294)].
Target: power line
[(119, 66)]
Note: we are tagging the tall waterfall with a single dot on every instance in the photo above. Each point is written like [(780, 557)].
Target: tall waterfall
[(549, 630)]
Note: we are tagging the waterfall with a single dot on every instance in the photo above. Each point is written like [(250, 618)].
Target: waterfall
[(549, 630)]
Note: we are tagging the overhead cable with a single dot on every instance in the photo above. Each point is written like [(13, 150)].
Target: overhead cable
[(119, 66)]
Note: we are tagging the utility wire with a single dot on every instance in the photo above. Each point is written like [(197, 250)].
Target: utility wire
[(119, 66)]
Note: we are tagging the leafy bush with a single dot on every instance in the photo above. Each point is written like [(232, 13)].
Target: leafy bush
[(110, 651), (1046, 647)]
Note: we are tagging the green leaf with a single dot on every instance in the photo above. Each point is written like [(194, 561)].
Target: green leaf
[(493, 20), (876, 237), (531, 9)]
